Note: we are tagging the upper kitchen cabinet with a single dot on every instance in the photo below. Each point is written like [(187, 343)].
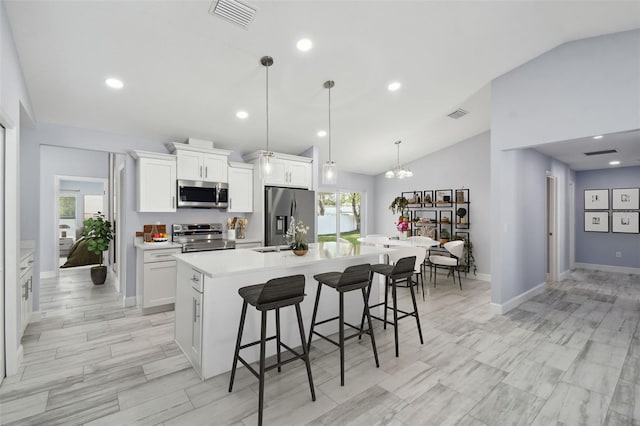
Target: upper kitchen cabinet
[(286, 170), (156, 181), (201, 164), (240, 188)]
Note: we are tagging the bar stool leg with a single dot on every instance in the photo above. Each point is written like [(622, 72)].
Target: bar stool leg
[(395, 315), (366, 307), (305, 351), (386, 299), (415, 310), (365, 297), (341, 334), (237, 352), (435, 277), (263, 344), (278, 338), (459, 280), (422, 284), (313, 317)]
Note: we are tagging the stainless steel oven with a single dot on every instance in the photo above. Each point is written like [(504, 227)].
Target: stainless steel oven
[(200, 194), (200, 237)]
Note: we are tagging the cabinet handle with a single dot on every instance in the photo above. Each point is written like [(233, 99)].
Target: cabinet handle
[(200, 171), (206, 171), (31, 285), (195, 279), (162, 255), (160, 267), (194, 310), (230, 203)]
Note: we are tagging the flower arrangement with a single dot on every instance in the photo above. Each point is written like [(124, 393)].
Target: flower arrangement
[(297, 235), (403, 224)]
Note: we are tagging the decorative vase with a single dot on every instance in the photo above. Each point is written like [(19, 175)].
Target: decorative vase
[(98, 274), (300, 252)]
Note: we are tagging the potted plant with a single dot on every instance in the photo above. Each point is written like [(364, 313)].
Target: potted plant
[(444, 236), (469, 259), (297, 237), (98, 233), (398, 205)]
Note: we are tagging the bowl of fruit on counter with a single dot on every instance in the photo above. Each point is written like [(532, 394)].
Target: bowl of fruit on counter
[(159, 237)]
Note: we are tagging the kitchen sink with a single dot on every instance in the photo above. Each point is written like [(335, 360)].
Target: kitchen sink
[(270, 249)]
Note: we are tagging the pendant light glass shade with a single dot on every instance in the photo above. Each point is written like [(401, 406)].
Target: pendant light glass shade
[(266, 157), (398, 172), (329, 169)]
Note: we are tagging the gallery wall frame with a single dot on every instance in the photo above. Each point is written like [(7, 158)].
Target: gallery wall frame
[(596, 199), (625, 198), (625, 222), (596, 221)]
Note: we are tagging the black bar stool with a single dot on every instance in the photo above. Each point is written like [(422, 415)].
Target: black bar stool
[(401, 271), (275, 294), (356, 277)]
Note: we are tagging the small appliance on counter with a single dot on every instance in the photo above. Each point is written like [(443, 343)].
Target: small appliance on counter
[(200, 237)]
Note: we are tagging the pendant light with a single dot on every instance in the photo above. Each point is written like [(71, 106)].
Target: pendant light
[(329, 170), (266, 157), (398, 172)]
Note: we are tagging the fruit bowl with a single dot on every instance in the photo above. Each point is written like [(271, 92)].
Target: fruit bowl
[(159, 239)]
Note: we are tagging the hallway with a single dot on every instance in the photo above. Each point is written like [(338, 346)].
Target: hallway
[(570, 355)]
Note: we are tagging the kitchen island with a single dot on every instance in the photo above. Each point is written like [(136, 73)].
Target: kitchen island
[(208, 305)]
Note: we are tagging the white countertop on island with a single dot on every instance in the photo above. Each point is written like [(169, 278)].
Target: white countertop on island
[(222, 263), (156, 246)]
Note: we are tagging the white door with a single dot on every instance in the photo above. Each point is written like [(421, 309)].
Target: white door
[(215, 168), (240, 190), (300, 174), (552, 230), (190, 165), (2, 351)]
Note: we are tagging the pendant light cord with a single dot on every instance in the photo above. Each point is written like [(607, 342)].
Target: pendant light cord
[(267, 97), (329, 123)]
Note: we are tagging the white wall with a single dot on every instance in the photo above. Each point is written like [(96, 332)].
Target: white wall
[(465, 164), (582, 88)]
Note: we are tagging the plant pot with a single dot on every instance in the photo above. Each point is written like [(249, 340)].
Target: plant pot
[(300, 252), (98, 274)]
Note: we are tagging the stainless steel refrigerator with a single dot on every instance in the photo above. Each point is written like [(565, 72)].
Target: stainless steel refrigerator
[(281, 204)]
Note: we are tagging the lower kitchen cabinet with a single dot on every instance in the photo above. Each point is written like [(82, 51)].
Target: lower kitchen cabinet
[(156, 278), (189, 314), (25, 290)]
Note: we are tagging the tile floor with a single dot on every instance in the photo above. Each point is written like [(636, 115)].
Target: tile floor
[(569, 356)]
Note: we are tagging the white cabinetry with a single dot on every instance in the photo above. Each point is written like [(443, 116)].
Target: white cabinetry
[(25, 290), (201, 164), (156, 278), (189, 314), (286, 170), (156, 181), (240, 188)]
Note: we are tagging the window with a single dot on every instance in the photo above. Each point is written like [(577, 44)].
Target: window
[(339, 216), (67, 206), (92, 205)]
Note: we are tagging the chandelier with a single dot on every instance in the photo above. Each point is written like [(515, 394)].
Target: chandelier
[(398, 172)]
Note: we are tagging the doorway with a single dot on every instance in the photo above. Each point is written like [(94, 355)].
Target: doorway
[(552, 229)]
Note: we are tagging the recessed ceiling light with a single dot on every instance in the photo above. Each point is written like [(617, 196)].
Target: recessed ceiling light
[(304, 44), (614, 163), (114, 83), (242, 114), (598, 137), (322, 134), (394, 86)]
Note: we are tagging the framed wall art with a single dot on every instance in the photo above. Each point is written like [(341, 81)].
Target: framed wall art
[(596, 221), (625, 198), (596, 199), (625, 222)]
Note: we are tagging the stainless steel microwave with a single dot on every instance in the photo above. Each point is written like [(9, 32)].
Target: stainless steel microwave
[(205, 195)]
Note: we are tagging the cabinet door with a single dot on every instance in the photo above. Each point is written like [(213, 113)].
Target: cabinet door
[(215, 168), (23, 290), (196, 329), (279, 173), (240, 190), (299, 174), (159, 283), (156, 185), (190, 165)]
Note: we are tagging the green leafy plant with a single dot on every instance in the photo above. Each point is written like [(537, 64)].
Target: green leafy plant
[(398, 205), (468, 253), (98, 233)]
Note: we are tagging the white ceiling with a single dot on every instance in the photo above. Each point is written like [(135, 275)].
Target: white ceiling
[(572, 152), (186, 72)]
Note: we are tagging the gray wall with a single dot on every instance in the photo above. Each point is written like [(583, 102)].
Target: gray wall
[(579, 89), (600, 248), (465, 164)]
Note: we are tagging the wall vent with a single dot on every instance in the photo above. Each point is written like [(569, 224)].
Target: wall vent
[(233, 11), (458, 113), (606, 151)]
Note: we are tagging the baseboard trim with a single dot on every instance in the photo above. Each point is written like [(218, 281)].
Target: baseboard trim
[(513, 303), (564, 275), (48, 274), (608, 268), (480, 276), (129, 302)]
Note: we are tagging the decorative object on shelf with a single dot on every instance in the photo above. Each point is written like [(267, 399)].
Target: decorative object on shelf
[(398, 205), (596, 199), (266, 157), (329, 170), (462, 212), (625, 222), (98, 233), (596, 221), (398, 172), (443, 197), (625, 199), (428, 197), (296, 237), (459, 196)]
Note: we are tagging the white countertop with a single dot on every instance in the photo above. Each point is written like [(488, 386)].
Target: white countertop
[(157, 246), (227, 262), (248, 240)]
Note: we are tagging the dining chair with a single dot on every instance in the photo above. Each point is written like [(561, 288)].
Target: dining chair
[(452, 262)]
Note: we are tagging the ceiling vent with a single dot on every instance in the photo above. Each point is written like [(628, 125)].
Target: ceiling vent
[(458, 113), (606, 151), (233, 11)]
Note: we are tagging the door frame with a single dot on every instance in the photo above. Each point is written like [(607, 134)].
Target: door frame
[(552, 227)]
